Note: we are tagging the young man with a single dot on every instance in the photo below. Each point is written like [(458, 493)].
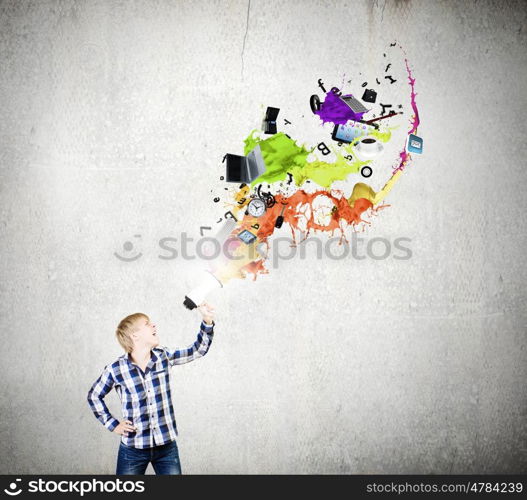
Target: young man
[(141, 378)]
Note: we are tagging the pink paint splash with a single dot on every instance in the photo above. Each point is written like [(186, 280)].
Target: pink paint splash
[(404, 155)]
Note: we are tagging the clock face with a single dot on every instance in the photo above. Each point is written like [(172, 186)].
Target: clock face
[(256, 207)]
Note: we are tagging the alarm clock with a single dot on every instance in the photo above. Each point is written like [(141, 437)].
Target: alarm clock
[(256, 207)]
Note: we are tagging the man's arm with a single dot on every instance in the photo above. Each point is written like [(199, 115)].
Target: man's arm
[(194, 351), (102, 386)]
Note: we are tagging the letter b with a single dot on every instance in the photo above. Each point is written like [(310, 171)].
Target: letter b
[(323, 148)]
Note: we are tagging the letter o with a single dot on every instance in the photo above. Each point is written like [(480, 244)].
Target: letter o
[(387, 248)]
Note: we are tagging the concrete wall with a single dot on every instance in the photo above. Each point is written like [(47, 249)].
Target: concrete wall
[(114, 118)]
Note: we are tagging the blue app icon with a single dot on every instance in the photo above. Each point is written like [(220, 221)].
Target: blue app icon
[(414, 144)]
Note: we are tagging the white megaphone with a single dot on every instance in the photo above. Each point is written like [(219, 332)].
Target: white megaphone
[(209, 282), (197, 296)]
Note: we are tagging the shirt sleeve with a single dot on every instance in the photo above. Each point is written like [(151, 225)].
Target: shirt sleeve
[(194, 351), (102, 386)]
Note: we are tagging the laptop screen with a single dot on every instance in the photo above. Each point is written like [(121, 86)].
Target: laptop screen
[(256, 165)]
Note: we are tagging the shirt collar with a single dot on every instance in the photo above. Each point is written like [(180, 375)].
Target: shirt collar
[(153, 359)]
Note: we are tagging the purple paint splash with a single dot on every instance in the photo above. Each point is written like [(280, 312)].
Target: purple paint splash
[(336, 111)]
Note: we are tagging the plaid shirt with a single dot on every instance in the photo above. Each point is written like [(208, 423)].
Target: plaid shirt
[(145, 397)]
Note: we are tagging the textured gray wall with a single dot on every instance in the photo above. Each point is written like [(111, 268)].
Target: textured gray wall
[(113, 118)]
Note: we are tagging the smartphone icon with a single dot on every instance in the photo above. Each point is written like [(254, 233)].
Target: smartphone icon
[(247, 237), (349, 131)]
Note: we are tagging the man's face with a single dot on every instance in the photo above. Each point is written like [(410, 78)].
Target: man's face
[(146, 334)]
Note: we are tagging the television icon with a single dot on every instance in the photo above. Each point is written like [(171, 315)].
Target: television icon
[(414, 144)]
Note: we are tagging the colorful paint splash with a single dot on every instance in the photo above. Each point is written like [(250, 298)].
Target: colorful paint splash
[(286, 159), (334, 110), (282, 155)]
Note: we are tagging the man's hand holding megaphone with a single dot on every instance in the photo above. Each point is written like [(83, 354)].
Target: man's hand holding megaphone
[(207, 312)]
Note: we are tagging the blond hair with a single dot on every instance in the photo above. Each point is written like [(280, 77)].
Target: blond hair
[(126, 327)]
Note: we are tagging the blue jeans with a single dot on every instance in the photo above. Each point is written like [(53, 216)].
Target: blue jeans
[(164, 459)]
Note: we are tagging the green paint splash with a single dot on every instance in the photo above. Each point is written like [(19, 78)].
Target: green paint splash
[(282, 155)]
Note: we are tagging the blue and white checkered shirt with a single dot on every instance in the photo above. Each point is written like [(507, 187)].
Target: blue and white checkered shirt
[(145, 397)]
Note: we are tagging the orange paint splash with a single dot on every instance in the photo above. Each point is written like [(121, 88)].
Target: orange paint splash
[(341, 211), (255, 268)]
